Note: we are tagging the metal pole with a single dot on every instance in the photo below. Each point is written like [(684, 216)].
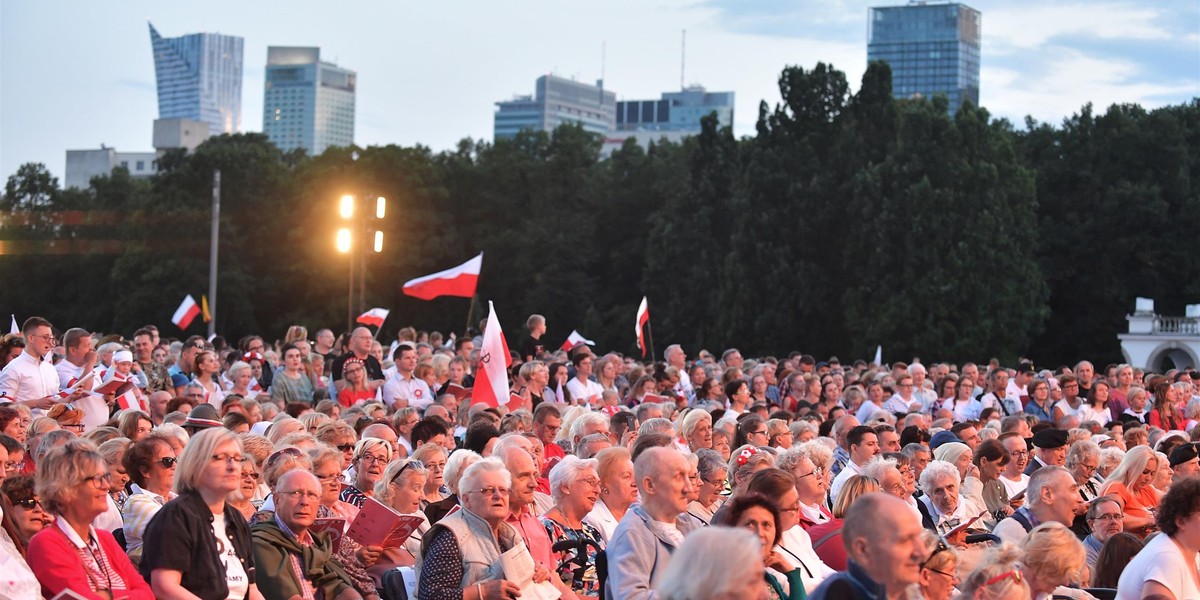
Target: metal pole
[(212, 252), (350, 289)]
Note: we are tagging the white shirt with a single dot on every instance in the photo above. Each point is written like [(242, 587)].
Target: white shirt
[(1087, 413), (28, 378), (95, 409), (795, 546), (813, 513), (897, 404), (235, 574), (866, 410), (109, 520), (850, 470), (1014, 487), (603, 520), (587, 391), (412, 390), (1161, 561)]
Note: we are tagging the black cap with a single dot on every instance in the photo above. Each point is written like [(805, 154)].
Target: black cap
[(1025, 368), (1050, 438), (1183, 454)]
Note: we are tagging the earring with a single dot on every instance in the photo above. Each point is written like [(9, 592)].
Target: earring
[(604, 491)]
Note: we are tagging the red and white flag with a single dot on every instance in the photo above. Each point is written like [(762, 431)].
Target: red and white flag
[(375, 316), (187, 311), (459, 281), (491, 379), (574, 340), (643, 317)]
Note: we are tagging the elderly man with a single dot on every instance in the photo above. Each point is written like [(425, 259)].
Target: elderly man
[(676, 357), (1105, 518), (1082, 461), (290, 560), (883, 548), (1049, 450), (942, 507), (650, 531), (587, 424), (1052, 495), (863, 444), (1184, 461)]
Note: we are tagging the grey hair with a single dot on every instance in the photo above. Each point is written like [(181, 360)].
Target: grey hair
[(456, 465), (584, 421), (820, 454), (709, 463), (470, 478), (935, 471), (171, 430), (877, 466), (52, 439), (713, 562), (587, 441), (1041, 479), (1081, 450), (383, 487), (657, 425), (799, 428), (568, 471)]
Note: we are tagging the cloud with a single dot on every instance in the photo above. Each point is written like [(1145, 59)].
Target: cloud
[(137, 84), (1030, 27)]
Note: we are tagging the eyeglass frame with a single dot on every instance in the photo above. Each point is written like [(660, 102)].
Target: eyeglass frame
[(491, 491)]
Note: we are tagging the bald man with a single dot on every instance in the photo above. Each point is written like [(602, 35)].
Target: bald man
[(883, 548), (360, 348), (649, 532)]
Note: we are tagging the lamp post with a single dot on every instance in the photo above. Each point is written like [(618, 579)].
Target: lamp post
[(348, 209)]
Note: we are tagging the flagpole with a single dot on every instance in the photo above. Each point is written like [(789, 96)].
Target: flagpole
[(470, 310), (650, 339), (212, 252)]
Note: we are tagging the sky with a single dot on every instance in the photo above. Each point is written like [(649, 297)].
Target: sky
[(76, 74)]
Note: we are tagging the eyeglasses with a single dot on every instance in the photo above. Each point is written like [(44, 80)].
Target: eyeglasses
[(332, 477), (345, 447), (167, 462), (372, 459), (1108, 517), (942, 546), (45, 336), (251, 475), (301, 495), (28, 503), (231, 458), (99, 481), (951, 576), (414, 463), (491, 491), (12, 466), (75, 426), (815, 472), (763, 432)]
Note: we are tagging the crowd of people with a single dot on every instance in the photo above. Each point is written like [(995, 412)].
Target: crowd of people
[(146, 467)]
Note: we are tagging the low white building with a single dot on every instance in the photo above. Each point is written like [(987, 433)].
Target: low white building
[(1154, 340)]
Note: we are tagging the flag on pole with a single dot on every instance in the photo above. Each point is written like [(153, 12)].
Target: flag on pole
[(204, 308), (459, 281), (187, 311), (574, 340), (643, 317), (878, 355), (13, 328), (491, 380), (375, 316)]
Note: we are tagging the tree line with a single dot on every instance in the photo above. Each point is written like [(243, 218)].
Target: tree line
[(846, 221)]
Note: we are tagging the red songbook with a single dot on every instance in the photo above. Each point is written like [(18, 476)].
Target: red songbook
[(379, 525), (334, 526), (459, 391), (115, 386), (655, 398)]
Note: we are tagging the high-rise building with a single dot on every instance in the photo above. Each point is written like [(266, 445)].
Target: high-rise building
[(200, 78), (557, 101), (307, 103), (83, 165), (672, 118), (932, 48)]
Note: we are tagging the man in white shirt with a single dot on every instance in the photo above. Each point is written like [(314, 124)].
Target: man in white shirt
[(919, 393), (80, 360), (401, 388), (30, 378), (998, 396), (903, 400), (582, 389), (863, 445), (676, 357), (1018, 386)]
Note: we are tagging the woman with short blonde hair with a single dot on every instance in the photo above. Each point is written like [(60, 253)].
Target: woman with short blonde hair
[(1054, 558)]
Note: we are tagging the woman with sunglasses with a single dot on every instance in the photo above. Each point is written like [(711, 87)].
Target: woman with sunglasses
[(71, 554), (27, 512), (939, 571), (150, 465)]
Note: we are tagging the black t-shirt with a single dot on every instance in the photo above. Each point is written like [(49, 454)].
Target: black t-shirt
[(531, 348), (180, 538), (374, 369)]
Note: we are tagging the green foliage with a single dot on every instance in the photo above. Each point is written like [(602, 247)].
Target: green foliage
[(846, 221)]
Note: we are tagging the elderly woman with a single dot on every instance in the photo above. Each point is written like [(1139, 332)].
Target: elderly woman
[(113, 452), (1166, 567), (1054, 560), (697, 430), (371, 456), (456, 465), (970, 487), (402, 488), (942, 507), (744, 463), (150, 464), (337, 434), (327, 467), (575, 488), (618, 490), (198, 543), (28, 513), (715, 563), (939, 571), (779, 435), (134, 425), (793, 550), (756, 513), (713, 472), (1131, 483), (433, 456), (466, 546), (243, 499), (71, 554), (241, 377), (827, 536), (998, 578)]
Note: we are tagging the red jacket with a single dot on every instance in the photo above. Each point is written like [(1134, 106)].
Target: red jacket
[(56, 563)]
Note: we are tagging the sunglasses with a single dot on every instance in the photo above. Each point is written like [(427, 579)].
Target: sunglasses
[(28, 503), (168, 462), (282, 452), (941, 547), (345, 447), (412, 463)]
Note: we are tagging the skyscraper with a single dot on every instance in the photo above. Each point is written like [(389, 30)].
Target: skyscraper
[(307, 103), (200, 78), (932, 48), (675, 111), (557, 101)]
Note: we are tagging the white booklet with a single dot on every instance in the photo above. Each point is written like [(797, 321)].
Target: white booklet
[(518, 568)]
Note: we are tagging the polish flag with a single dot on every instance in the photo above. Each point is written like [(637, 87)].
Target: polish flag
[(491, 378), (574, 340), (643, 317), (187, 311), (459, 281), (375, 316)]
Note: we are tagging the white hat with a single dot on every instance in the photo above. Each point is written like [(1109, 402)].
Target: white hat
[(121, 356)]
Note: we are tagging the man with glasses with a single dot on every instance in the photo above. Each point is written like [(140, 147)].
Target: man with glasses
[(1106, 520), (903, 401), (30, 379), (290, 560)]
